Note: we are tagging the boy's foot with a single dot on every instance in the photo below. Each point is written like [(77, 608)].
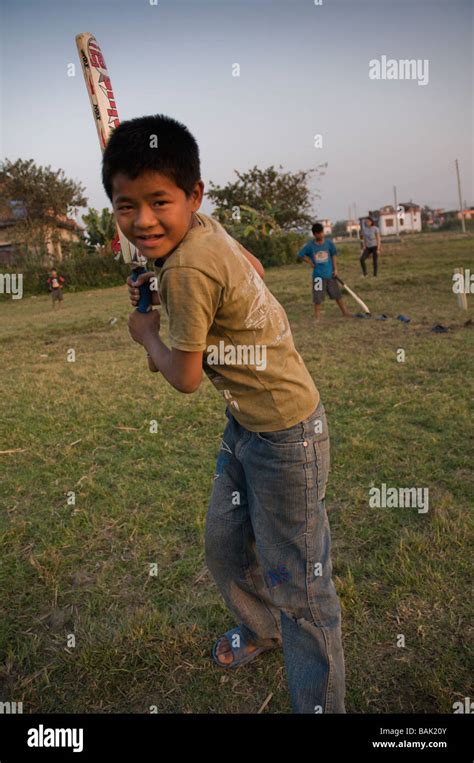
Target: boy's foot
[(226, 655), (224, 652)]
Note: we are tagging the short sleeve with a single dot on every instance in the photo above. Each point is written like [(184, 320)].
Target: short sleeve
[(191, 300), (304, 251)]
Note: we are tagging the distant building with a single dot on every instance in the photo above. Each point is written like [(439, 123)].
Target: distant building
[(62, 226), (456, 214), (327, 225), (352, 227), (409, 220)]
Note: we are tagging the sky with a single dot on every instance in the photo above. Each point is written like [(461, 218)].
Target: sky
[(304, 71)]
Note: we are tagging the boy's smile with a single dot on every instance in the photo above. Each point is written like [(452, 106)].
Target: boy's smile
[(153, 212)]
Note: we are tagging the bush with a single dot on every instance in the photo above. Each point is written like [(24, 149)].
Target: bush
[(81, 270), (456, 225), (275, 250), (85, 270)]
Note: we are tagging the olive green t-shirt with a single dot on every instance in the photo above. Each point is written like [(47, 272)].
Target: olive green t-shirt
[(216, 302)]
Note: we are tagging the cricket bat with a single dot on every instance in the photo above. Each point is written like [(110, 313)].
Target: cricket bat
[(104, 111), (354, 296), (461, 295)]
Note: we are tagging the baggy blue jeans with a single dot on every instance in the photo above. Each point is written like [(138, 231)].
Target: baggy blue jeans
[(268, 543)]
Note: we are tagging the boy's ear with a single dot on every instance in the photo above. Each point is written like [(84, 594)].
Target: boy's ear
[(197, 194)]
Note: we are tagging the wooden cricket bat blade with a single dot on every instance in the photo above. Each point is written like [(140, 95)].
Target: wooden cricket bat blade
[(354, 296)]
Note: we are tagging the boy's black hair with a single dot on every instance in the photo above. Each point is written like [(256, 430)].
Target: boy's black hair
[(130, 151), (317, 228)]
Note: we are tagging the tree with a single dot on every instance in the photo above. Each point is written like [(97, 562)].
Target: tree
[(246, 221), (265, 200), (339, 228), (100, 229), (39, 197)]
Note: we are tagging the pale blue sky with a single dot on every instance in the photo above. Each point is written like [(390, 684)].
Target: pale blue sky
[(304, 70)]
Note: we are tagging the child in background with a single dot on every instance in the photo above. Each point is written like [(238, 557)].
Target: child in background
[(321, 254), (55, 285), (370, 236)]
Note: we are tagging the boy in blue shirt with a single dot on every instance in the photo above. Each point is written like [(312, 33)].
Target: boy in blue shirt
[(321, 254)]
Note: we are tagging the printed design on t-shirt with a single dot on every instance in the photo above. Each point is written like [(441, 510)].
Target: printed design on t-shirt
[(258, 309), (272, 316), (264, 310), (321, 256)]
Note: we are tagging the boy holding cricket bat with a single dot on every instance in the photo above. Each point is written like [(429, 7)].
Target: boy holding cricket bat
[(321, 254), (267, 538)]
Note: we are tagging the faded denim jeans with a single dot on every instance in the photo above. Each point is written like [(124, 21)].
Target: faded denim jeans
[(268, 547)]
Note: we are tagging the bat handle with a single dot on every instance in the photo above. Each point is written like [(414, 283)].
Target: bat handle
[(144, 304)]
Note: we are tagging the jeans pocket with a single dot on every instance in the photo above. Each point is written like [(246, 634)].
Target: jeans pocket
[(292, 436)]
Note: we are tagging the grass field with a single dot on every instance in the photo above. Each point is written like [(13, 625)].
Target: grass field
[(143, 640)]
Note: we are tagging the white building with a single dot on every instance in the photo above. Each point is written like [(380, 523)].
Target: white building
[(352, 227), (327, 225), (409, 219)]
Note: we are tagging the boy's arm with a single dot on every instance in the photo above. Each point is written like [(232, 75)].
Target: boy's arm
[(183, 370), (191, 300), (304, 257)]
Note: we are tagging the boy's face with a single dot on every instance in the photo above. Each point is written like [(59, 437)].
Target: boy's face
[(153, 213), (319, 237)]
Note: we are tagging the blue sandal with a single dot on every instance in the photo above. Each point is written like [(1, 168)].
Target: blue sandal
[(238, 652)]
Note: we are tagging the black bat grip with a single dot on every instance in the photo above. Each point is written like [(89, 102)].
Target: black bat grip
[(144, 304)]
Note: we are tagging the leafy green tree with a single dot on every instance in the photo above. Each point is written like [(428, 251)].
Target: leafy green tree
[(100, 229), (339, 228), (265, 201), (245, 221), (38, 197)]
